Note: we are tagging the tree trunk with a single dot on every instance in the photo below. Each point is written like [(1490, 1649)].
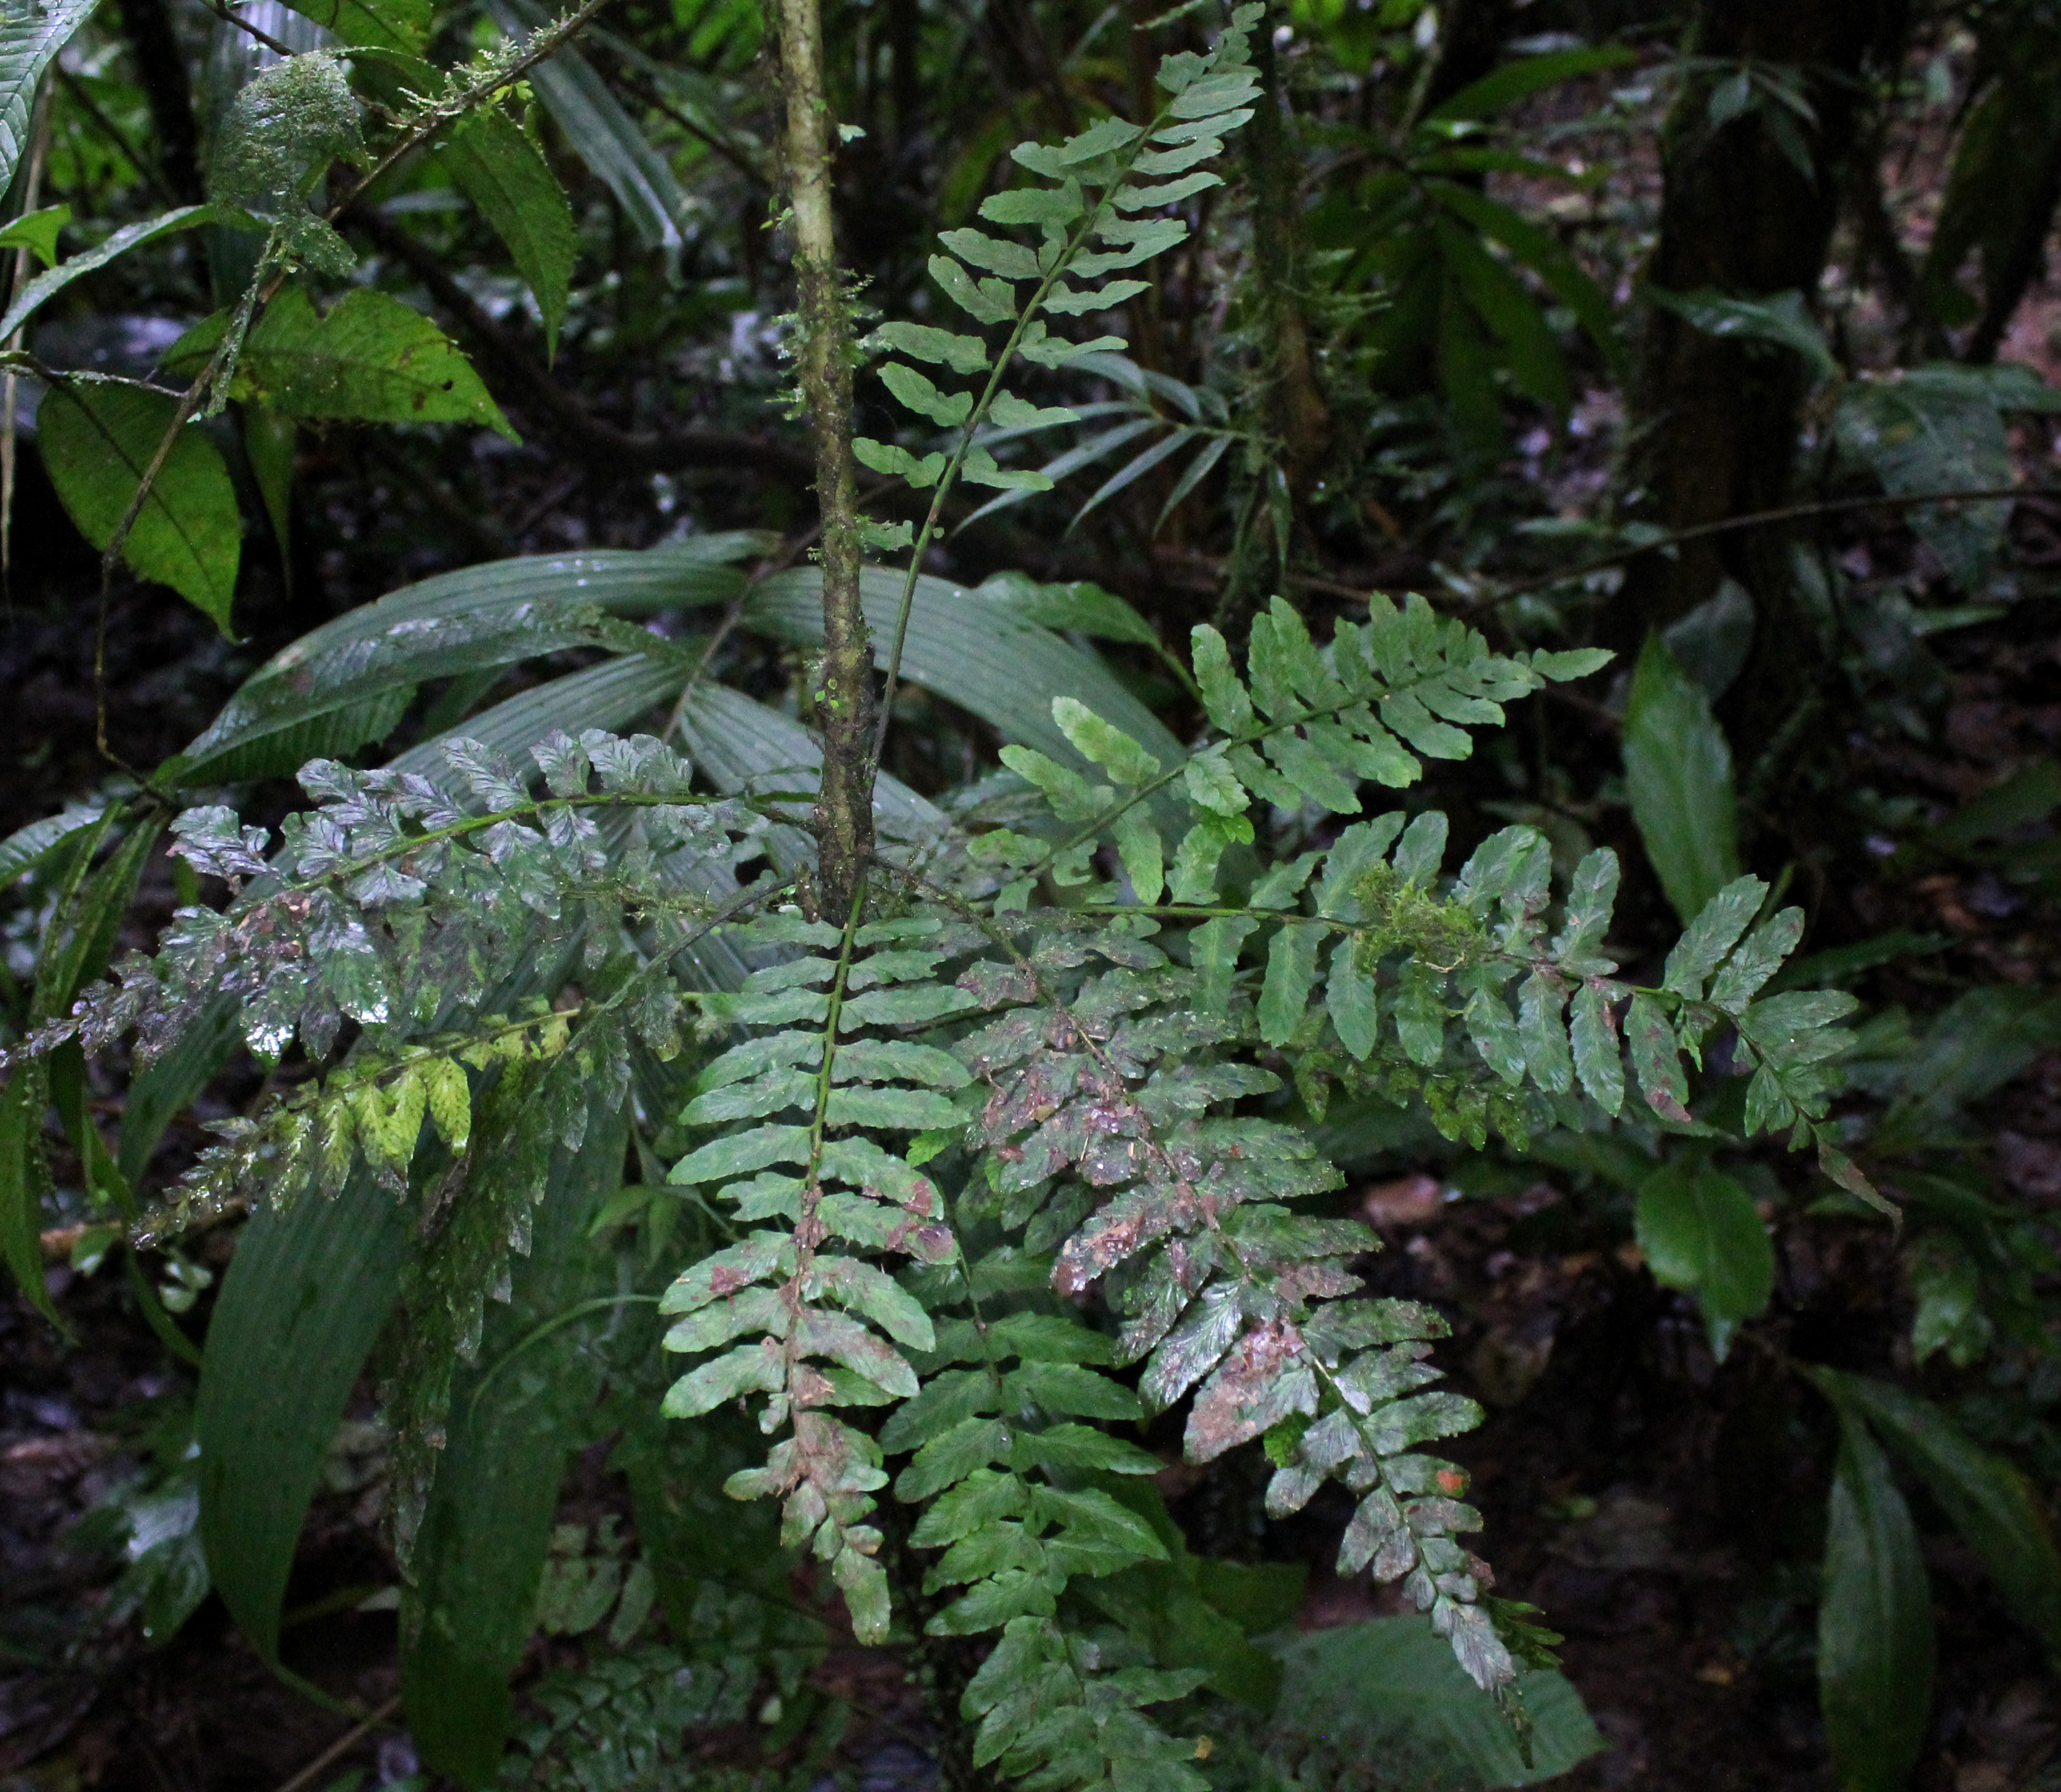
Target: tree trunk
[(1713, 422), (844, 683)]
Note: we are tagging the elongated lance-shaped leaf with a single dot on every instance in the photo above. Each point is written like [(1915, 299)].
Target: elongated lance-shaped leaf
[(31, 33)]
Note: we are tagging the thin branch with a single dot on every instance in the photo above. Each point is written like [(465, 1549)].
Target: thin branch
[(153, 176), (1754, 519), (343, 1745), (223, 12)]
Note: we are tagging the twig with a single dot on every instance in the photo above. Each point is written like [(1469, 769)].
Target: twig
[(223, 12), (85, 101), (1754, 519), (343, 1744)]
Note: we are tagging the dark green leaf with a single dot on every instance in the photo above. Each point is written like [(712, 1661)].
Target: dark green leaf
[(1525, 75), (1875, 1647), (30, 37), (1989, 1500), (309, 1291), (1679, 767), (503, 173), (603, 135), (479, 1557), (1361, 1684), (98, 436), (47, 285), (1701, 1233)]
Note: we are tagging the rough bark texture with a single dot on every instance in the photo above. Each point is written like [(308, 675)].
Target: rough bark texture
[(844, 683), (1713, 422)]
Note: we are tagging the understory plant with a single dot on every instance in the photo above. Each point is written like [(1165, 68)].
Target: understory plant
[(894, 1182), (969, 1134)]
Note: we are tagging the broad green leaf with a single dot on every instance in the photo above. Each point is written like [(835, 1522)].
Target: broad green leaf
[(1937, 428), (1512, 315), (503, 173), (1525, 75), (402, 25), (1081, 607), (479, 1557), (48, 284), (37, 232), (372, 358), (25, 1179), (488, 616), (1702, 1235), (97, 437), (1984, 1038), (309, 1291), (1783, 321), (269, 443), (31, 33), (1679, 768), (1004, 670), (1875, 1647), (31, 847), (282, 129), (1989, 1500)]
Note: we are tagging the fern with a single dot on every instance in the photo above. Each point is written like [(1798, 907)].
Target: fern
[(1006, 1156), (949, 1121), (1094, 199)]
